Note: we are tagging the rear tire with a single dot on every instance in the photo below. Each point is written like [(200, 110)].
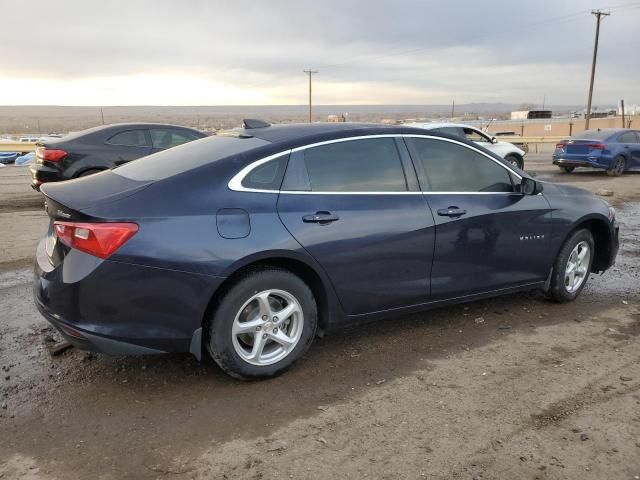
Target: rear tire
[(272, 307), (572, 267), (618, 167), (515, 160), (567, 169)]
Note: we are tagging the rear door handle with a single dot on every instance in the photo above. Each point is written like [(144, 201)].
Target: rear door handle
[(320, 217), (451, 212)]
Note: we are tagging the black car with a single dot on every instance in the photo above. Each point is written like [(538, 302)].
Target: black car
[(247, 245), (101, 148)]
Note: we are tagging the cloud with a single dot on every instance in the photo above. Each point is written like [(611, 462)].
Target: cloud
[(410, 51)]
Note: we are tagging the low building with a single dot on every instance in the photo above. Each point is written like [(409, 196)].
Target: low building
[(531, 114), (340, 118)]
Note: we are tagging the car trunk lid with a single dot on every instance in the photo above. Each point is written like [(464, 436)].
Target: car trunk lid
[(68, 202)]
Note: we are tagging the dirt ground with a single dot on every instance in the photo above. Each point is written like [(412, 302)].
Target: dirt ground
[(514, 387)]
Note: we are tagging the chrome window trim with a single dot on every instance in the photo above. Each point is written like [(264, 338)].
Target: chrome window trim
[(235, 183)]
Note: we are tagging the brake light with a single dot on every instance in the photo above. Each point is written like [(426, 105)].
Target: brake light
[(561, 145), (97, 239), (596, 146), (49, 155)]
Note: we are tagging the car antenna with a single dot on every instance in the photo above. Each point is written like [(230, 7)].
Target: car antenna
[(250, 123)]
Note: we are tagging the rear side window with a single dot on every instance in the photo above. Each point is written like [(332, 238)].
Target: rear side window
[(628, 137), (450, 167), (167, 138), (369, 165), (129, 138), (267, 176)]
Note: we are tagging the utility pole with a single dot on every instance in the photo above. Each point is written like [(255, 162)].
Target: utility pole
[(453, 110), (310, 73), (102, 115), (622, 111), (599, 14)]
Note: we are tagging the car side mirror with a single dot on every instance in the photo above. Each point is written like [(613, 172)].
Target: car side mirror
[(494, 140), (529, 186)]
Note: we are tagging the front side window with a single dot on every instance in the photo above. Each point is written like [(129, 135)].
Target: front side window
[(129, 138), (368, 165), (167, 138), (450, 167)]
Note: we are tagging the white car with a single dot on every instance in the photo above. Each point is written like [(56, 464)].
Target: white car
[(506, 150)]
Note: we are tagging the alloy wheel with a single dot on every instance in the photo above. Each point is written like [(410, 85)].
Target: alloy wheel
[(577, 267), (268, 327)]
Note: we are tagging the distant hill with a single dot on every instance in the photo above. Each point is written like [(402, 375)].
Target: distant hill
[(52, 118)]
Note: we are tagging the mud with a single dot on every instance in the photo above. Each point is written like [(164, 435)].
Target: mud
[(514, 387)]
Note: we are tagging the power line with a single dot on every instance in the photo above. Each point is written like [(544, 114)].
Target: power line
[(310, 73), (599, 14)]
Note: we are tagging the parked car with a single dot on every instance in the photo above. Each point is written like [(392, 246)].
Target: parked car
[(616, 150), (7, 158), (90, 151), (506, 150), (250, 244)]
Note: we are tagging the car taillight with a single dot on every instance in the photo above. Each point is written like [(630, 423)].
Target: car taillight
[(97, 239), (561, 145), (49, 155), (596, 146)]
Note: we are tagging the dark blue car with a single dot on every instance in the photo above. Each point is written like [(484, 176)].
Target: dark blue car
[(616, 150), (248, 245)]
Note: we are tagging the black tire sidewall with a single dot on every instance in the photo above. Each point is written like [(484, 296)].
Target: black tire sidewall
[(614, 171), (218, 333), (557, 290)]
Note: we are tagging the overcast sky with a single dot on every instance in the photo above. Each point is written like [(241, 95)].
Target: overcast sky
[(208, 52)]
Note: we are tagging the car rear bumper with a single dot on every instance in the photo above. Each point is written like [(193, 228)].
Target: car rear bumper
[(574, 160), (119, 308)]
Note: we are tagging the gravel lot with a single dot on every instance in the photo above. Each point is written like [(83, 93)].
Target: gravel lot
[(514, 387)]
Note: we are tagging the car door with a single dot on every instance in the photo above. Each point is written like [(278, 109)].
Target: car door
[(128, 145), (163, 138), (488, 236), (630, 143), (355, 206)]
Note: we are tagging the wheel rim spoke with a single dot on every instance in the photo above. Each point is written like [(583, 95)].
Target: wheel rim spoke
[(258, 346), (264, 305), (246, 327), (287, 311), (577, 267), (283, 339)]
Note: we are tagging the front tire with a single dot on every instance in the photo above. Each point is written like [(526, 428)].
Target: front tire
[(263, 324), (618, 167), (572, 267)]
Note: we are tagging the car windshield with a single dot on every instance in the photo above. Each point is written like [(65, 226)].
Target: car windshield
[(188, 156), (593, 135)]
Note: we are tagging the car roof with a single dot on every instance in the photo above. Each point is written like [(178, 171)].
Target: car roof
[(292, 135), (433, 125)]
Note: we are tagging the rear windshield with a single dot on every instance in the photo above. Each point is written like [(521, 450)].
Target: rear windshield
[(593, 134), (185, 157)]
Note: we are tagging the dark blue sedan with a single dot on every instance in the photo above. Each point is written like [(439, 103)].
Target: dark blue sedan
[(250, 244), (614, 149)]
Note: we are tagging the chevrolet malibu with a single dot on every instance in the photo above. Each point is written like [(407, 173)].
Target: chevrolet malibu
[(248, 245)]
